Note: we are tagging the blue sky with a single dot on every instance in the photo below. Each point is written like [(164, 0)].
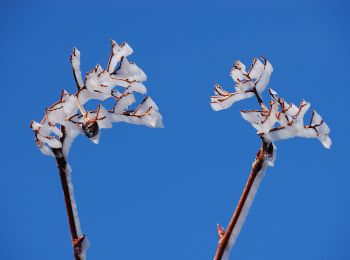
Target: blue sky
[(188, 176)]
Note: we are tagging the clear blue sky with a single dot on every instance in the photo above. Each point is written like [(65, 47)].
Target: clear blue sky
[(188, 176)]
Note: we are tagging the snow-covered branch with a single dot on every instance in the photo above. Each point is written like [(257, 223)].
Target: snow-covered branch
[(289, 119), (264, 158), (248, 84), (67, 118), (277, 122), (98, 84)]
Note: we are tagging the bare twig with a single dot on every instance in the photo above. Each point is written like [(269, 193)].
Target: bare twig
[(266, 151), (63, 171)]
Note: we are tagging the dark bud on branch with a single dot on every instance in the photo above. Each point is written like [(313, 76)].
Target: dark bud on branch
[(90, 127), (77, 243)]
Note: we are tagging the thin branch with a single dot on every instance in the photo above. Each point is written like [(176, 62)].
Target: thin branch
[(98, 84), (75, 61), (291, 124), (265, 152), (258, 98), (73, 225)]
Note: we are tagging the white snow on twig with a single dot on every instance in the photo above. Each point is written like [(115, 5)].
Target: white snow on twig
[(98, 84), (278, 122), (282, 120), (85, 243), (256, 79), (269, 161), (67, 118)]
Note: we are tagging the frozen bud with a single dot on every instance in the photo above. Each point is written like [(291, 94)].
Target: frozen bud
[(221, 231), (90, 127), (78, 245)]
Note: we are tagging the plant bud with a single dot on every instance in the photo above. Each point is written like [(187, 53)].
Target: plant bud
[(90, 127)]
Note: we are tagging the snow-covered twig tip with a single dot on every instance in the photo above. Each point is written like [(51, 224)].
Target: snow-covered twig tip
[(279, 121), (98, 84)]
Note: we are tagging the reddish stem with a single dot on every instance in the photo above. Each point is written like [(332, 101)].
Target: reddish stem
[(62, 166), (266, 149)]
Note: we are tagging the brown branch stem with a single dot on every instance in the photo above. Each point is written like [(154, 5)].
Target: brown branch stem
[(258, 98), (265, 150), (62, 167)]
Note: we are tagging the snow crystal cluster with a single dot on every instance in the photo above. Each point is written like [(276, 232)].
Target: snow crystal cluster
[(280, 120), (67, 118)]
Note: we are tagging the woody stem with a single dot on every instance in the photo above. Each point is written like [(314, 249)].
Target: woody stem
[(266, 149), (62, 167)]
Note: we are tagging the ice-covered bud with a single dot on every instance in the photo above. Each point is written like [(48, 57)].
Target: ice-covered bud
[(90, 127), (77, 244)]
